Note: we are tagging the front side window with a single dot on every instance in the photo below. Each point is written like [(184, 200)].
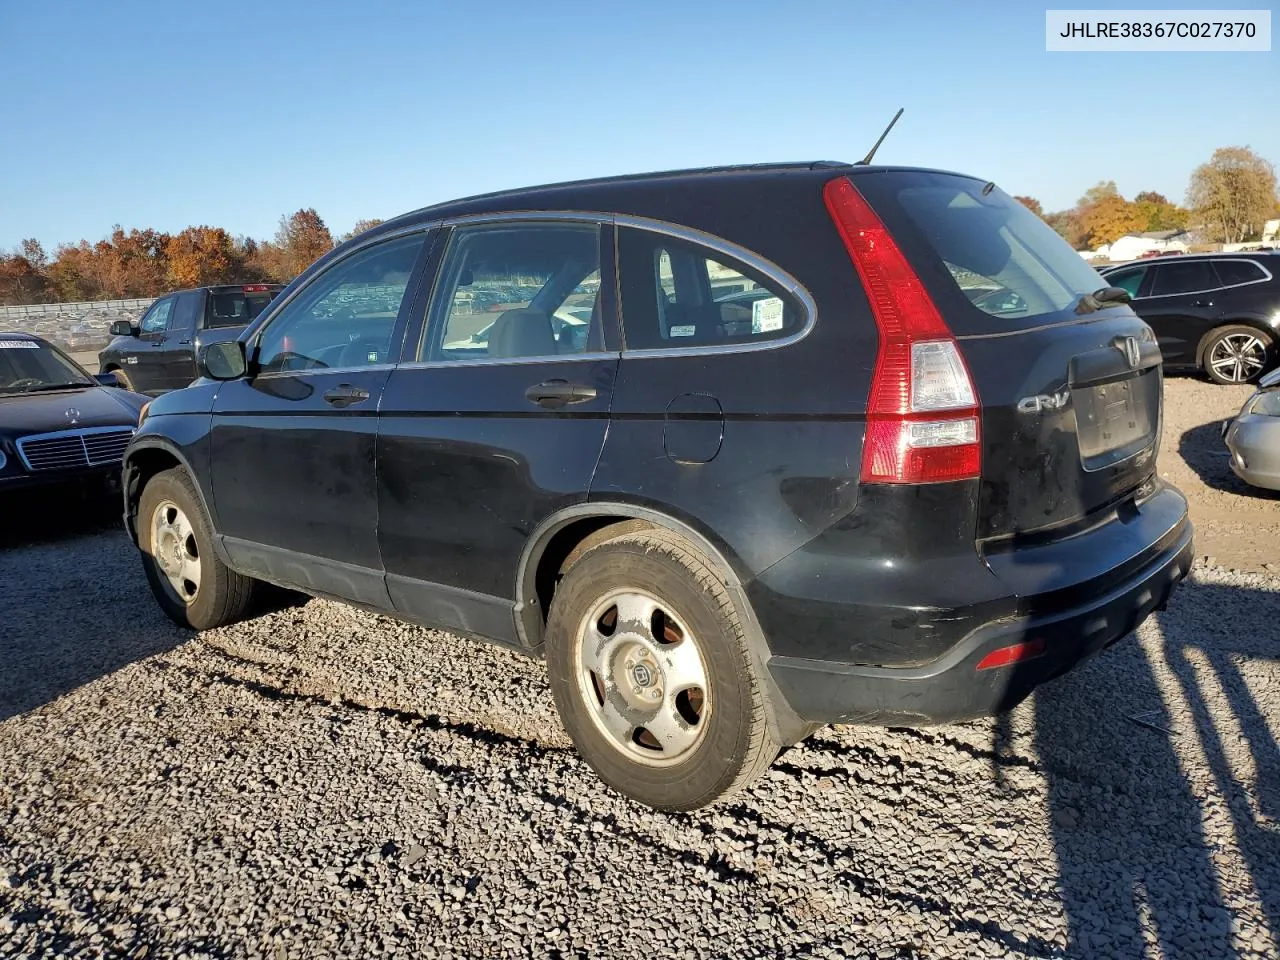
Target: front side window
[(1188, 276), (517, 290), (1235, 272), (157, 318), (345, 317), (1129, 279), (184, 311), (678, 294)]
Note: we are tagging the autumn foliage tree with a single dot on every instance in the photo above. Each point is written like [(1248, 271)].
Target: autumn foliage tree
[(1032, 204), (302, 238), (200, 256)]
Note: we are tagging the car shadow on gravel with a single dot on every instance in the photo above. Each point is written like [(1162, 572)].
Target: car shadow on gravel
[(1205, 452), (74, 605), (1124, 743), (39, 516)]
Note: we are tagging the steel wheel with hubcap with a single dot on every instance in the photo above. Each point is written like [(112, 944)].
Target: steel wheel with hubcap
[(192, 585), (1236, 355), (652, 675), (173, 544), (642, 677)]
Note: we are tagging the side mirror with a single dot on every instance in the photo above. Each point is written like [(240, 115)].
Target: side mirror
[(223, 360), (109, 379), (123, 328)]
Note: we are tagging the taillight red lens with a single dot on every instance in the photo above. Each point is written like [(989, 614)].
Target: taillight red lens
[(254, 288), (922, 413)]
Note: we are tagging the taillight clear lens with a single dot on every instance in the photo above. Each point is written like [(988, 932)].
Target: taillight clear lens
[(939, 380), (941, 433)]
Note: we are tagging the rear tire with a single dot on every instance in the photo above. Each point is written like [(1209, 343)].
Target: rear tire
[(194, 588), (652, 676), (1237, 354)]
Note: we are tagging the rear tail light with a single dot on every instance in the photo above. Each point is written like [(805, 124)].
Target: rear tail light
[(922, 415), (254, 288)]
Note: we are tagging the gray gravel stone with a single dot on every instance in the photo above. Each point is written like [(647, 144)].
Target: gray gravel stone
[(321, 781)]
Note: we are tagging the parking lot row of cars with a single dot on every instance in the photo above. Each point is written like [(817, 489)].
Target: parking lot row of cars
[(738, 452)]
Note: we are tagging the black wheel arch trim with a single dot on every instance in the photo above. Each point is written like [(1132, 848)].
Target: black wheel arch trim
[(152, 442), (785, 724)]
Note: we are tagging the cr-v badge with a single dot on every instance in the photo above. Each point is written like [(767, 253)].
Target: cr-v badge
[(1043, 401)]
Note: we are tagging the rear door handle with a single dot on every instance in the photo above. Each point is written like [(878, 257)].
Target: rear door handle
[(557, 393), (344, 395)]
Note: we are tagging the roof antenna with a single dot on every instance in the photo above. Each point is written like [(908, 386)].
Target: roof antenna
[(872, 152)]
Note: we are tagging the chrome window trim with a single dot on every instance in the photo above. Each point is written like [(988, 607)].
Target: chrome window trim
[(772, 271), (594, 355), (1210, 260), (315, 371), (78, 432)]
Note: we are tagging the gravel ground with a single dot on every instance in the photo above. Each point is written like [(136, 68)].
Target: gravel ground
[(323, 782)]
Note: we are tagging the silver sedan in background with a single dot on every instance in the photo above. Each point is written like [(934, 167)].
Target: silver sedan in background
[(1253, 437)]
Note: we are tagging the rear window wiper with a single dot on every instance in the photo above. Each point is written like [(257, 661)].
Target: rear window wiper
[(1101, 297)]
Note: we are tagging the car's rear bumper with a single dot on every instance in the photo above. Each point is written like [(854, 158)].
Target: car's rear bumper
[(1066, 626)]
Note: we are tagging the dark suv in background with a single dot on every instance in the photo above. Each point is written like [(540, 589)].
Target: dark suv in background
[(159, 352), (839, 443), (1216, 313)]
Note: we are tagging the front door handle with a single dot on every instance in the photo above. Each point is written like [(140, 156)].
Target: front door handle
[(557, 393), (344, 395)]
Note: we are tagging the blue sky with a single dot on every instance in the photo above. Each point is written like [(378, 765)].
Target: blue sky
[(167, 114)]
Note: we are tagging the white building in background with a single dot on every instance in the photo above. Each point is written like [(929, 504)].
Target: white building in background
[(1270, 238), (1134, 245)]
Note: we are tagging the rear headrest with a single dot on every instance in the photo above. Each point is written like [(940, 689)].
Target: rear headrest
[(522, 333)]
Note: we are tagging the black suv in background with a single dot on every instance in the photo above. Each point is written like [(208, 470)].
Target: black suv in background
[(159, 353), (906, 478), (1217, 313)]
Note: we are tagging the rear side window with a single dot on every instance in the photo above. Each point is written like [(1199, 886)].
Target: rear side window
[(1187, 276), (677, 294), (1129, 279), (518, 291), (235, 308), (1235, 272), (1006, 261)]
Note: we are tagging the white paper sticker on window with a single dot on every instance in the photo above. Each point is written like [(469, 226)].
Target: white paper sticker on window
[(684, 330), (19, 345), (766, 315)]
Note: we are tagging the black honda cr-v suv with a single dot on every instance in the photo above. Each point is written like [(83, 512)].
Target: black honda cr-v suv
[(737, 451)]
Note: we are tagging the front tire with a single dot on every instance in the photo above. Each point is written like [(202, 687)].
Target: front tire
[(652, 676), (194, 588), (1236, 354), (123, 378)]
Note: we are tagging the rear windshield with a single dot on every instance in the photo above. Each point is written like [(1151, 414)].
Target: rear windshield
[(234, 308), (968, 237)]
